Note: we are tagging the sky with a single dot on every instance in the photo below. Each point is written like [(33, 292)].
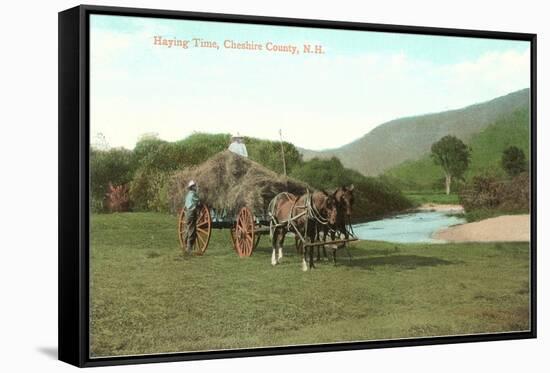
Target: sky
[(318, 101)]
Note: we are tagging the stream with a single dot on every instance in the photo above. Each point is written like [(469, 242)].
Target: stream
[(411, 227)]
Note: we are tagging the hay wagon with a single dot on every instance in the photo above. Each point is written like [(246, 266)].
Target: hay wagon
[(244, 226), (235, 193)]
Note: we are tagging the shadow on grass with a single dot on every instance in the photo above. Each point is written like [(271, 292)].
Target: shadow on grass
[(401, 261), (376, 258), (385, 252)]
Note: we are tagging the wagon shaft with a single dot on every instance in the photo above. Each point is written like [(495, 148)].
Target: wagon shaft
[(334, 242)]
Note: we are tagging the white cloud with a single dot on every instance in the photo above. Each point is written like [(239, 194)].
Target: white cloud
[(491, 75)]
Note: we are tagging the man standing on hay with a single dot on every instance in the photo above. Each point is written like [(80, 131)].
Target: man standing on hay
[(191, 204), (237, 146)]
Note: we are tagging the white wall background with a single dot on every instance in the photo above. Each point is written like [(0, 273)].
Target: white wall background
[(28, 184)]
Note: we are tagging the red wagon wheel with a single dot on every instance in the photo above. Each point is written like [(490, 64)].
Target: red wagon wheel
[(243, 235), (204, 230), (232, 235)]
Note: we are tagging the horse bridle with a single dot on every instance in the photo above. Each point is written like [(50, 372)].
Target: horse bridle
[(314, 212)]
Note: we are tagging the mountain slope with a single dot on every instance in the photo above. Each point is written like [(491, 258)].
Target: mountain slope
[(410, 138), (486, 152)]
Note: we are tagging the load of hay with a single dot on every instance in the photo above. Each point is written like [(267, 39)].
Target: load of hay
[(229, 181)]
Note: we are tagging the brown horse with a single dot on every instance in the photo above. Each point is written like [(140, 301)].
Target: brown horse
[(279, 210), (344, 204), (302, 217)]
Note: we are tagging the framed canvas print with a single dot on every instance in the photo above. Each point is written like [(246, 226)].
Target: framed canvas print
[(234, 186)]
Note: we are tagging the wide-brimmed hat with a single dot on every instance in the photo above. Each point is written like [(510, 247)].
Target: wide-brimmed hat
[(191, 183)]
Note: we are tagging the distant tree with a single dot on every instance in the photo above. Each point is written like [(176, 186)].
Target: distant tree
[(145, 146), (453, 156), (268, 154), (198, 147), (326, 173), (513, 161)]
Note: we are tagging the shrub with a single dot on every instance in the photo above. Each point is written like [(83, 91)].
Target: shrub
[(117, 198), (483, 191), (374, 198), (516, 193), (489, 192), (149, 190)]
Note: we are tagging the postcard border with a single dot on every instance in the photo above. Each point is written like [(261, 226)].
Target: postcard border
[(74, 136)]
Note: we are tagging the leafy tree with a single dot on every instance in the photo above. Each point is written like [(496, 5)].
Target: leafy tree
[(268, 153), (198, 147), (146, 145), (325, 173), (513, 161), (148, 190), (453, 156)]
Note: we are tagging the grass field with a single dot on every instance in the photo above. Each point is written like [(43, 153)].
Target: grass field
[(146, 298)]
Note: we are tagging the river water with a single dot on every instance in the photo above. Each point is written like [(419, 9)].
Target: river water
[(408, 228)]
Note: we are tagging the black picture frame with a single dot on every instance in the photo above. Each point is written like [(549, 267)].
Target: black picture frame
[(74, 140)]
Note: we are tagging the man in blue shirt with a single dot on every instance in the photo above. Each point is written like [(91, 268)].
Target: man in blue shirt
[(191, 204)]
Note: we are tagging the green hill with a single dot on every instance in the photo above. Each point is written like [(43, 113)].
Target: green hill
[(408, 139), (486, 147)]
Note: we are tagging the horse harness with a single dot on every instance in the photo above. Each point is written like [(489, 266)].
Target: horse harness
[(309, 209)]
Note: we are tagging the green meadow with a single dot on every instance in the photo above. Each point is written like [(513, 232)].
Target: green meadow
[(147, 298)]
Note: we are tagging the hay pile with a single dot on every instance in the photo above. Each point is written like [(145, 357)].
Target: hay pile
[(229, 181)]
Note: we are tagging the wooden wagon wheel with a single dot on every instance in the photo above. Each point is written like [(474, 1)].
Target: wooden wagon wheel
[(204, 230), (232, 235), (243, 235)]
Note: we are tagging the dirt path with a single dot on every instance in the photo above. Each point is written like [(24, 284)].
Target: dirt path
[(502, 228)]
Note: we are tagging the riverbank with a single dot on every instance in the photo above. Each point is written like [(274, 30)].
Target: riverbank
[(505, 228), (441, 207)]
